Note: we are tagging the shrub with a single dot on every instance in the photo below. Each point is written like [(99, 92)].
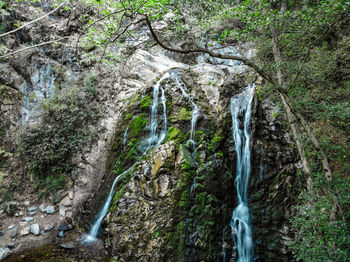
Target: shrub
[(47, 146)]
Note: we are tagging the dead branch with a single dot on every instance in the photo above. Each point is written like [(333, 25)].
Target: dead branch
[(34, 21)]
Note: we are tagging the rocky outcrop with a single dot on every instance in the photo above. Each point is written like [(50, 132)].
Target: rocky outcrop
[(275, 182)]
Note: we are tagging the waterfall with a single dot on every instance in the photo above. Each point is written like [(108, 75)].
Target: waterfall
[(125, 138), (154, 138), (240, 221), (195, 110), (176, 76), (91, 237), (165, 121)]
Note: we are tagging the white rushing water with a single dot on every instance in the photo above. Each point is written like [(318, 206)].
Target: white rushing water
[(155, 138), (176, 76), (92, 236), (241, 107), (165, 121), (125, 138)]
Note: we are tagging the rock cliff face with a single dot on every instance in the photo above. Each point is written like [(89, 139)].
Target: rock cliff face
[(176, 202)]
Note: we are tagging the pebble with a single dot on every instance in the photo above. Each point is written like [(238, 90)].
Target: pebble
[(25, 231), (33, 213), (4, 252), (42, 208), (27, 219), (11, 245), (48, 228), (62, 227), (23, 223), (69, 245), (14, 231), (31, 209), (35, 229), (50, 210), (61, 234)]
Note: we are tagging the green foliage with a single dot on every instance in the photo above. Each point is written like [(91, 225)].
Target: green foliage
[(215, 141), (146, 101), (173, 132), (137, 124), (184, 114), (184, 198), (90, 85), (317, 237), (2, 5), (49, 144)]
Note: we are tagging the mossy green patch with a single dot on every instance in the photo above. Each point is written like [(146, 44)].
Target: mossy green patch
[(137, 124), (184, 198), (215, 141), (172, 133), (146, 101), (184, 114)]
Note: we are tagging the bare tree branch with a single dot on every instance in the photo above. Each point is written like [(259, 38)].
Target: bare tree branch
[(34, 21), (245, 60), (33, 46)]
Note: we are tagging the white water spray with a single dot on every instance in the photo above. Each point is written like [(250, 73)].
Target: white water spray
[(240, 221), (92, 236), (195, 110), (154, 138)]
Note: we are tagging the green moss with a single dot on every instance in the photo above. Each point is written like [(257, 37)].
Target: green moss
[(137, 124), (128, 116), (259, 92), (200, 202), (220, 154), (172, 134), (146, 101), (215, 141), (275, 114), (117, 197), (184, 198), (187, 164), (179, 238), (184, 114)]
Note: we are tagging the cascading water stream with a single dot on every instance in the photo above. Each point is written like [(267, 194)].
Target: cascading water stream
[(240, 221), (125, 138), (195, 110), (154, 138), (165, 121), (195, 114), (92, 236)]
